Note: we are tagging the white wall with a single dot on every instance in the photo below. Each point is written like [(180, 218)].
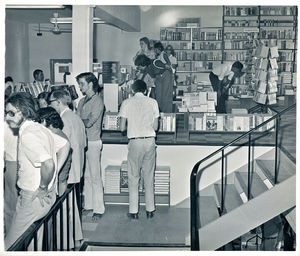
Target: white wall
[(113, 44), (46, 47), (181, 160)]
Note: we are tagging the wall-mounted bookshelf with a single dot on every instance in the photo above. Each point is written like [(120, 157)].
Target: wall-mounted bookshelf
[(198, 49)]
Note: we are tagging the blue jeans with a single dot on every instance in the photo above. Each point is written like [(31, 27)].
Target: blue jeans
[(27, 212), (141, 156)]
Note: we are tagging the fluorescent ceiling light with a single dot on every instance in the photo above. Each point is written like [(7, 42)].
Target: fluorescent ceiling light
[(15, 6), (68, 20)]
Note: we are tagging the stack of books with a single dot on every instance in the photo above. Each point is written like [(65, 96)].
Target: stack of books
[(162, 180), (112, 179)]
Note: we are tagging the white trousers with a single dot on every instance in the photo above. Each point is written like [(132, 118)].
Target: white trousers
[(93, 185), (141, 156)]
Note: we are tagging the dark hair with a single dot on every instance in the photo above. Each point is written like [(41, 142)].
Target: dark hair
[(36, 72), (237, 65), (62, 95), (159, 45), (89, 77), (51, 117), (172, 49), (139, 86), (142, 60), (146, 41), (8, 79), (24, 102), (43, 95)]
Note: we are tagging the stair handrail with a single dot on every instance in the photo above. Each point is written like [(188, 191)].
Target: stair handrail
[(193, 177)]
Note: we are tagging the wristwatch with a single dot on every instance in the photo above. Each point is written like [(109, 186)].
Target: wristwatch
[(43, 187)]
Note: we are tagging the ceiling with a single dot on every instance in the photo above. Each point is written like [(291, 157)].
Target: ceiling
[(36, 15)]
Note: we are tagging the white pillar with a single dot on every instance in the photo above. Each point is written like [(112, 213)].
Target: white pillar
[(82, 42)]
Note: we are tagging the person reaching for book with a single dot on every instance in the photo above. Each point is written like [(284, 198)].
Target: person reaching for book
[(222, 78)]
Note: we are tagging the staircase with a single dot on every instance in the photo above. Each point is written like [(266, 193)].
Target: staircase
[(243, 199), (240, 215)]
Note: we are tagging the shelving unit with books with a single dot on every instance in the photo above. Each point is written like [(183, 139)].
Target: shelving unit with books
[(224, 123), (278, 25), (271, 25), (197, 49), (241, 28), (116, 185)]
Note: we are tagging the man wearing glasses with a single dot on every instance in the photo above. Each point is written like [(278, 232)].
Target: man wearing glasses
[(75, 130), (37, 164)]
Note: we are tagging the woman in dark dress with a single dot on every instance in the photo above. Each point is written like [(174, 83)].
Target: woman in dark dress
[(157, 70)]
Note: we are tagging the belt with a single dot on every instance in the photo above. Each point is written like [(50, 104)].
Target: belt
[(139, 138)]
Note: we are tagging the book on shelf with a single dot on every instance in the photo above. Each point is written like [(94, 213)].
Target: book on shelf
[(262, 51), (220, 122), (272, 98), (274, 52), (272, 86), (261, 86), (273, 63), (260, 97), (240, 123), (264, 64), (211, 123), (262, 75)]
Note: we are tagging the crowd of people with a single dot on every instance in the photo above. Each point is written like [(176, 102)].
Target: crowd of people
[(48, 147), (51, 144)]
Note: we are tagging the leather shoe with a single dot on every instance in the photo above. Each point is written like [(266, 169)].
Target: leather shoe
[(149, 214), (133, 216)]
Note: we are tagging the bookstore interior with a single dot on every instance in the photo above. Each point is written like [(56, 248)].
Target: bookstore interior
[(262, 38)]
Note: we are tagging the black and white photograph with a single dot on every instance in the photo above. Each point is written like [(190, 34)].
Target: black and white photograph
[(164, 127)]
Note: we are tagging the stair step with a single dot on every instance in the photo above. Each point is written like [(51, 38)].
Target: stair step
[(208, 210), (256, 184), (232, 198), (268, 167)]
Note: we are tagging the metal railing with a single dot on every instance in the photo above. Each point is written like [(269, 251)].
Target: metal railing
[(49, 224), (194, 213)]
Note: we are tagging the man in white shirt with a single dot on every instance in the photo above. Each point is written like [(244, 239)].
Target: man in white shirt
[(140, 115), (38, 164), (222, 78)]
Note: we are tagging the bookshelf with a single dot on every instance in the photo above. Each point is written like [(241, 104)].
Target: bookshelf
[(278, 25), (270, 25), (197, 49), (240, 29)]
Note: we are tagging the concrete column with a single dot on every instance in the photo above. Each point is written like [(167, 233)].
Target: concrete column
[(82, 42)]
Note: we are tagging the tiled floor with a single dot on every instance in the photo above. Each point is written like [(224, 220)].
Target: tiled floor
[(170, 225)]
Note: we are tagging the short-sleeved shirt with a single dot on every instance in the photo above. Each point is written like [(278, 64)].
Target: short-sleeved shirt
[(92, 110), (224, 70), (36, 145), (140, 112)]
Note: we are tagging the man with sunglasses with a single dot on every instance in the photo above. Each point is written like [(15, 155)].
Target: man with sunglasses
[(37, 164)]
